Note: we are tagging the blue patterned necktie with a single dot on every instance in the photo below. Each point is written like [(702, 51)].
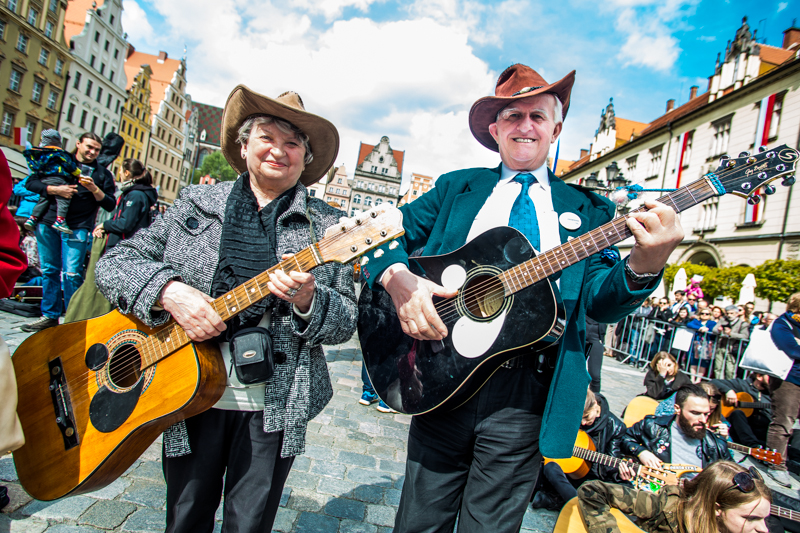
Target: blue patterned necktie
[(523, 213)]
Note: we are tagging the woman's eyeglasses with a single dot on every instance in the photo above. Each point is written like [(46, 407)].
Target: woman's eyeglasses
[(746, 481)]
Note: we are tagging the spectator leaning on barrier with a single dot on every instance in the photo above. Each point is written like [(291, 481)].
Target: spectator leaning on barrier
[(732, 330)]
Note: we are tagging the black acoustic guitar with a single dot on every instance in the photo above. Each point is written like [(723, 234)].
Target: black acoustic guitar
[(505, 299)]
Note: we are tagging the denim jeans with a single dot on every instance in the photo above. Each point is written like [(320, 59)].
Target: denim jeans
[(367, 384), (60, 253)]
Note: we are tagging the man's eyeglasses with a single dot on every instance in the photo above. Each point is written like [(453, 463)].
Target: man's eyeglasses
[(692, 299), (746, 481), (513, 115)]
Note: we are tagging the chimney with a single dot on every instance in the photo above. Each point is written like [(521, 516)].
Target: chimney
[(584, 153), (693, 92), (791, 37), (162, 56), (670, 105)]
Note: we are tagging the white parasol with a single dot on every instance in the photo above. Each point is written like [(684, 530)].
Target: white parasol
[(748, 291), (679, 283)]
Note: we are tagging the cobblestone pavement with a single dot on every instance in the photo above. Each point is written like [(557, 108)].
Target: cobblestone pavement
[(348, 481)]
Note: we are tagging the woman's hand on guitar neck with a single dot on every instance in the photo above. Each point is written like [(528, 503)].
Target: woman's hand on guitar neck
[(411, 295), (648, 458), (191, 310)]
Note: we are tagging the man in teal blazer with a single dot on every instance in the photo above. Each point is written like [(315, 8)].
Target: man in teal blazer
[(479, 461)]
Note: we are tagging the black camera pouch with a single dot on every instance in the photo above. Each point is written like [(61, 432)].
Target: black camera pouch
[(251, 355)]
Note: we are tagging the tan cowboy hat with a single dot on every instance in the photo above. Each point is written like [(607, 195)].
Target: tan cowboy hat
[(322, 135), (515, 83)]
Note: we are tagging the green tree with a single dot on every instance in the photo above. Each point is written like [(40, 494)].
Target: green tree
[(724, 282), (777, 279), (691, 269), (217, 167)]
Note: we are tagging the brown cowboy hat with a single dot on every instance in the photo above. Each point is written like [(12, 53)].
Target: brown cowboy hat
[(322, 135), (515, 83)]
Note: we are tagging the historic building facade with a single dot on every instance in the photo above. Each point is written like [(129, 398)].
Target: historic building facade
[(377, 178), (205, 124), (337, 190), (135, 122), (419, 185), (34, 61), (164, 153), (753, 99), (96, 85)]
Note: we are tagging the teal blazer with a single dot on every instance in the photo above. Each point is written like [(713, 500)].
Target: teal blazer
[(440, 221)]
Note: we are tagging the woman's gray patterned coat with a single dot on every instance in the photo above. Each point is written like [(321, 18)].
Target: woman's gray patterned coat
[(184, 245)]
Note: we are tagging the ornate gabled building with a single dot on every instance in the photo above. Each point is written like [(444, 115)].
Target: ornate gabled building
[(377, 178), (34, 61), (135, 122), (337, 189), (96, 87), (753, 99), (164, 153), (419, 185), (206, 121)]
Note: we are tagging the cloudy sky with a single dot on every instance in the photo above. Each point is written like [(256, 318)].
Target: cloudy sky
[(412, 69)]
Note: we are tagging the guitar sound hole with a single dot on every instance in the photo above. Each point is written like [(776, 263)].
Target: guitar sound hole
[(125, 366), (484, 296)]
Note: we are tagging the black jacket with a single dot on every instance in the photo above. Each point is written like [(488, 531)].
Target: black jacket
[(606, 432), (653, 434), (83, 206), (657, 386), (132, 213)]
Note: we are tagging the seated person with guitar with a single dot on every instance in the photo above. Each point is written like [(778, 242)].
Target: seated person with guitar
[(723, 498), (211, 241), (478, 462), (605, 430), (747, 427), (664, 377), (681, 438)]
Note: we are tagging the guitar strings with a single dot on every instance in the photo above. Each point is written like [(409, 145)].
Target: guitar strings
[(447, 307)]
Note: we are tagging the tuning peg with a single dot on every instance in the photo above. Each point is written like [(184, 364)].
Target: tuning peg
[(769, 189), (744, 154), (762, 148), (753, 200), (788, 182)]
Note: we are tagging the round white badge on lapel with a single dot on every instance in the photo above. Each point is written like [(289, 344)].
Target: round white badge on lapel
[(570, 221)]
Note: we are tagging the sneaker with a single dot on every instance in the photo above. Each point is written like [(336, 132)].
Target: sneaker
[(4, 499), (61, 226), (383, 408), (544, 500), (39, 325), (781, 477), (368, 398), (30, 224)]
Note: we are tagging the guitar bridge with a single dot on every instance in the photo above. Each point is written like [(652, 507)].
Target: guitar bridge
[(62, 405)]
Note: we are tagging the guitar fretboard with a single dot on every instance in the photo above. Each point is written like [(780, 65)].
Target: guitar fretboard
[(552, 261), (595, 457), (784, 512), (753, 405), (230, 304)]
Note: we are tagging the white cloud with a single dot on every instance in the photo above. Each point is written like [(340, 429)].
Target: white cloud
[(782, 6), (135, 23), (657, 52), (331, 8), (707, 38)]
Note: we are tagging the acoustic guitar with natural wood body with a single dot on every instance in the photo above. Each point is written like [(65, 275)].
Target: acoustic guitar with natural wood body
[(93, 395), (744, 403)]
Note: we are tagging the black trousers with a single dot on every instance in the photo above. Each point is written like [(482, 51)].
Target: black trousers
[(565, 487), (744, 433), (230, 445), (478, 462)]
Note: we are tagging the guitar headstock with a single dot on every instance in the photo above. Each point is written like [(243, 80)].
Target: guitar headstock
[(769, 456), (746, 174), (652, 479), (354, 236)]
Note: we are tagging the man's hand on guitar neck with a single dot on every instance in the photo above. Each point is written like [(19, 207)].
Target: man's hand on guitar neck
[(191, 310), (730, 398), (648, 458), (657, 232), (411, 295)]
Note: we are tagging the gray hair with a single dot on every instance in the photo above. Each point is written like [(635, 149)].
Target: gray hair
[(283, 125), (558, 110)]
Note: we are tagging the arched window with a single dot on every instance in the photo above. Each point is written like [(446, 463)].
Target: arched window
[(368, 200), (357, 199), (378, 201)]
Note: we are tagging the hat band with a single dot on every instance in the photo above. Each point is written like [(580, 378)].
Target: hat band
[(526, 90)]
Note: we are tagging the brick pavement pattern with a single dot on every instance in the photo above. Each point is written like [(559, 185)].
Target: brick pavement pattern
[(348, 481)]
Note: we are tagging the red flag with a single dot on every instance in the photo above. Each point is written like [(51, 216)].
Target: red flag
[(20, 136)]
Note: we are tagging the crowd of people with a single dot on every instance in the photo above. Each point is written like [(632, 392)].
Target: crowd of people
[(476, 465)]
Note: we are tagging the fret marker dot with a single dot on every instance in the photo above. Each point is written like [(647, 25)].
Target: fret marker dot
[(233, 309), (252, 290), (229, 297)]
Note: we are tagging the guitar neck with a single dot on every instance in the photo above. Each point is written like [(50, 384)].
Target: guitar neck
[(595, 457), (753, 405), (784, 512), (172, 337), (739, 448), (557, 259)]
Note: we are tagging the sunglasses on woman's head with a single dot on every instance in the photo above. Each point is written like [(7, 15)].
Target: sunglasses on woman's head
[(746, 481)]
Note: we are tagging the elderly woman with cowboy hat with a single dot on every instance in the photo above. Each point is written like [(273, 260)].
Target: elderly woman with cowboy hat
[(213, 239), (478, 462)]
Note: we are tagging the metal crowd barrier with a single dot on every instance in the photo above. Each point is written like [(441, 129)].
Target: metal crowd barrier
[(637, 339)]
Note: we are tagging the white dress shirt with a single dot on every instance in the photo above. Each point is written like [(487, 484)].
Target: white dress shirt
[(497, 208)]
